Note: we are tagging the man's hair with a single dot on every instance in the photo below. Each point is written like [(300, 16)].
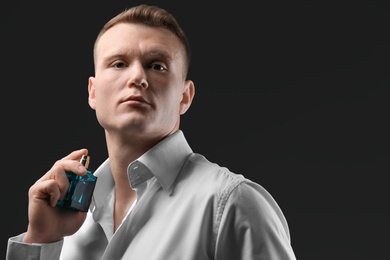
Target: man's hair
[(153, 16)]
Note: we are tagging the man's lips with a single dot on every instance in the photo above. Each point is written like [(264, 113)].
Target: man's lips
[(135, 99)]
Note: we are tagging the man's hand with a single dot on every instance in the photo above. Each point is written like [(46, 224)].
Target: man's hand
[(48, 223)]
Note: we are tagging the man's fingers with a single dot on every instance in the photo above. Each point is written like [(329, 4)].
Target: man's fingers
[(76, 155), (53, 186), (48, 191)]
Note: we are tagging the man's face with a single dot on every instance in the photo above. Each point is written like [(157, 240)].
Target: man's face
[(139, 86)]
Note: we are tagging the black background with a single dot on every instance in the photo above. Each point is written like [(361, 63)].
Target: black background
[(292, 94)]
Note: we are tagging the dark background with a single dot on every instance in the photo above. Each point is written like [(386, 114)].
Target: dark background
[(292, 94)]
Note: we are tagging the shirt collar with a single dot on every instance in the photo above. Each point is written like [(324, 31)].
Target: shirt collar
[(166, 158), (163, 161)]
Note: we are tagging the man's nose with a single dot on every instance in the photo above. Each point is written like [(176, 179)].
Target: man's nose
[(137, 76)]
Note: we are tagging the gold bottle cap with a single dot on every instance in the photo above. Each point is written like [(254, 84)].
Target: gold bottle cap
[(85, 160)]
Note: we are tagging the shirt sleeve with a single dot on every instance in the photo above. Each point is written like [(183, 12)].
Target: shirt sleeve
[(17, 250), (252, 226)]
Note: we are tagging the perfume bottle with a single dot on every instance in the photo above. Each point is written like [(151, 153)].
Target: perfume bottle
[(79, 194)]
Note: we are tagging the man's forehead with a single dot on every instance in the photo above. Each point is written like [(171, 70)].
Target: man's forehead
[(153, 41), (133, 30)]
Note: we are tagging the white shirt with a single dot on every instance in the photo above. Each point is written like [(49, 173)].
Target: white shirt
[(187, 208)]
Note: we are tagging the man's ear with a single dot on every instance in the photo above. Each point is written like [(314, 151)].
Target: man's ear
[(188, 95), (91, 92)]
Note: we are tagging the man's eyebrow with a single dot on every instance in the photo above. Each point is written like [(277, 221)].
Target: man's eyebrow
[(155, 53), (114, 54), (158, 54)]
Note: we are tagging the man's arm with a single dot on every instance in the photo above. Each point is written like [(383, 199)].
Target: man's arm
[(17, 250), (252, 226)]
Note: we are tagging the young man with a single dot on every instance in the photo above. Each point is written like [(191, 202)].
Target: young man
[(155, 198)]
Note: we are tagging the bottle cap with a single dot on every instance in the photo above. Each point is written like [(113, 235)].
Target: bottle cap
[(85, 160)]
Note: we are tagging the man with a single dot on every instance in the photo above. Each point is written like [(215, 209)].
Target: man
[(154, 198)]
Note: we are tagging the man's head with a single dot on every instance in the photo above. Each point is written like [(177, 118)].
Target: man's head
[(140, 88)]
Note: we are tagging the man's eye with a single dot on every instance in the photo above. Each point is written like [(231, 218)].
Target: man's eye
[(119, 65), (157, 66)]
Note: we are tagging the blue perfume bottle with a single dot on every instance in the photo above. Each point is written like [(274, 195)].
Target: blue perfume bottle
[(80, 191)]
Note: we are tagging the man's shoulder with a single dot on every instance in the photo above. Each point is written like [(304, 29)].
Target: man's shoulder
[(198, 169)]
